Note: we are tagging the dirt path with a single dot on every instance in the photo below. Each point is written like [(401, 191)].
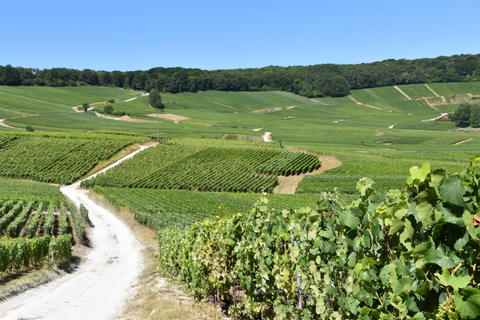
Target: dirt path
[(433, 119), (2, 123), (266, 137), (463, 141), (401, 91), (288, 185), (363, 104), (430, 104), (428, 87), (98, 289), (143, 94)]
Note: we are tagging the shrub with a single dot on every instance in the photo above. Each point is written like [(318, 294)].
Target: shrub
[(108, 109)]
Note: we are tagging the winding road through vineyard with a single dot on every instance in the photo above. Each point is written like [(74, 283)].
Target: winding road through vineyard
[(100, 285)]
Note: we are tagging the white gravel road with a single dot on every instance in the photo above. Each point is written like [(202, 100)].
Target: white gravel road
[(99, 287)]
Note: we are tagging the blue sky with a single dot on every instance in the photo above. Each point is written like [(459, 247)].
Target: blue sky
[(210, 34)]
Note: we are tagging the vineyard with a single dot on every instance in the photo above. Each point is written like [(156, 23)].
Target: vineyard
[(180, 208), (410, 254), (207, 169), (31, 231), (141, 165), (54, 160)]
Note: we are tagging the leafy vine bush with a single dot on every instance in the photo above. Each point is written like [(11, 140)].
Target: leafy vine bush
[(410, 254), (17, 253)]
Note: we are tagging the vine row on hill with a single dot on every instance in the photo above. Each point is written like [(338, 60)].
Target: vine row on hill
[(67, 159), (32, 231), (409, 254), (207, 169)]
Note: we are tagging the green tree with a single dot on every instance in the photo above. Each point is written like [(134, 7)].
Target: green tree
[(108, 108), (155, 100), (85, 107), (462, 115), (338, 86), (475, 115)]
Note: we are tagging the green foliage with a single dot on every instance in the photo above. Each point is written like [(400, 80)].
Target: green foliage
[(49, 219), (85, 107), (141, 165), (290, 163), (32, 227), (79, 221), (63, 219), (60, 248), (155, 100), (206, 169), (396, 254), (108, 109), (17, 253), (181, 208), (29, 128), (462, 115), (13, 230), (215, 169)]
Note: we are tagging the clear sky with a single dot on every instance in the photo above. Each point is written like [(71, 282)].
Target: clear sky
[(211, 34)]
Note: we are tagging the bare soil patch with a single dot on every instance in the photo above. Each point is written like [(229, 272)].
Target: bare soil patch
[(463, 141), (273, 109), (130, 119), (379, 133), (266, 137), (168, 116), (288, 185)]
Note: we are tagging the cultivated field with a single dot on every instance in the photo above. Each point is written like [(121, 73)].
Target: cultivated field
[(214, 163)]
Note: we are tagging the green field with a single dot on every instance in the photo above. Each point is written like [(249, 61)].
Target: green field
[(381, 139)]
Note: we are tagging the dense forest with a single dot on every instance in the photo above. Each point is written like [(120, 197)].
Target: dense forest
[(310, 81)]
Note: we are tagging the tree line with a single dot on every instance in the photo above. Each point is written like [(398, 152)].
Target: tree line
[(309, 81)]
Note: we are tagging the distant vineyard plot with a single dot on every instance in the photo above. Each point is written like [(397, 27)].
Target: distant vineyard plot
[(52, 159), (180, 208), (207, 169)]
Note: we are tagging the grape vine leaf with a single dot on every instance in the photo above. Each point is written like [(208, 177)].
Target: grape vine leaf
[(469, 224), (438, 256), (420, 173), (452, 191), (467, 303), (456, 282)]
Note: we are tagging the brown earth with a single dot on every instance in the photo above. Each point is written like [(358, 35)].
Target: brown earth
[(168, 116), (273, 109)]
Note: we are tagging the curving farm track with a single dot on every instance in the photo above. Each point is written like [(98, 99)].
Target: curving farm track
[(101, 284)]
